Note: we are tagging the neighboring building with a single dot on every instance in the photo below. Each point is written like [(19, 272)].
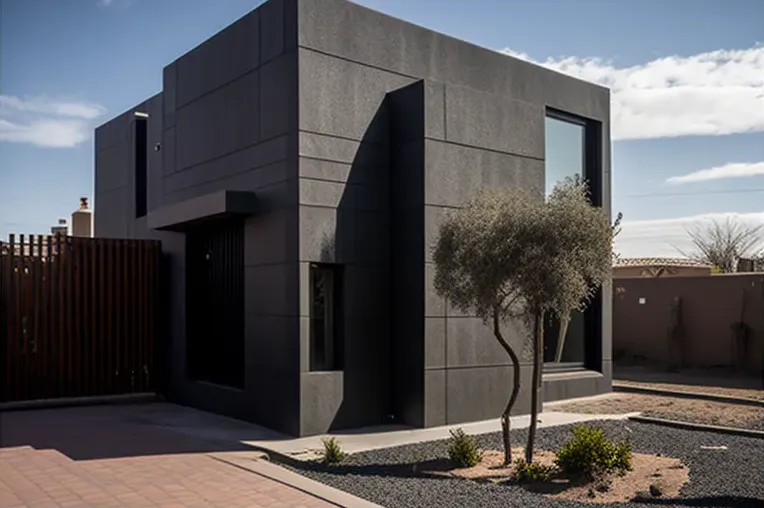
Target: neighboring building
[(296, 167), (659, 267), (82, 220), (61, 229)]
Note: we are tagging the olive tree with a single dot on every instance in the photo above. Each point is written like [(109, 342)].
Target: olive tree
[(510, 256)]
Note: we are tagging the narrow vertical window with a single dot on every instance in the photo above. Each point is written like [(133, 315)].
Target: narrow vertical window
[(572, 149), (141, 157), (325, 319)]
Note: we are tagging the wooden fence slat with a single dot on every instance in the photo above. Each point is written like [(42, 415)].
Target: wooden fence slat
[(51, 364), (95, 365)]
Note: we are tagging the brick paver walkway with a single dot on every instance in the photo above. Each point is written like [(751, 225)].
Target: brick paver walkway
[(176, 472)]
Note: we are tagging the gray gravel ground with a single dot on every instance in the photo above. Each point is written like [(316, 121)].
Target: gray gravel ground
[(731, 478)]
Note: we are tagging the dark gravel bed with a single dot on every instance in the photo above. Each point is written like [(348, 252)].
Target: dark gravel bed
[(749, 424), (731, 478)]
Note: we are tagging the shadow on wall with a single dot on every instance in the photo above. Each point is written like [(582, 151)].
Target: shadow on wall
[(360, 245), (682, 322)]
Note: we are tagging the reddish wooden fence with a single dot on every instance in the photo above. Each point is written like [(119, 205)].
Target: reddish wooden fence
[(78, 317)]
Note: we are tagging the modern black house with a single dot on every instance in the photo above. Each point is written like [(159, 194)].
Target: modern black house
[(296, 167)]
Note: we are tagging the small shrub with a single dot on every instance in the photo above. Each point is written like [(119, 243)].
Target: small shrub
[(333, 453), (589, 452), (525, 472), (463, 449)]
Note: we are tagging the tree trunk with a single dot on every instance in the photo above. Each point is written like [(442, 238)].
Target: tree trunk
[(505, 422), (538, 351)]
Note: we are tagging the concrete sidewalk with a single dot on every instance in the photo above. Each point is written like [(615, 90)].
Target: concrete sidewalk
[(235, 433)]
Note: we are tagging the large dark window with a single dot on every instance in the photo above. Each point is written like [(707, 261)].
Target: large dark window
[(325, 317), (572, 149), (140, 142)]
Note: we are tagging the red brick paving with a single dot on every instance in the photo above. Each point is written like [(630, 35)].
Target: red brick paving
[(47, 478)]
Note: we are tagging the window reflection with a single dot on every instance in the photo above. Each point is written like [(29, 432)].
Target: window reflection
[(564, 151), (565, 157)]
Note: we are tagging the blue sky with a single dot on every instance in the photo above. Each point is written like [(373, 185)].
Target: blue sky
[(687, 82)]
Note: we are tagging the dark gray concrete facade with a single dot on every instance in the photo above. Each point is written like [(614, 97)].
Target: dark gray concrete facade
[(356, 132)]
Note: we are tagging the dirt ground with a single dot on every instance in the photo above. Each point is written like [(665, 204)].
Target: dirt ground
[(711, 381), (665, 476), (674, 408)]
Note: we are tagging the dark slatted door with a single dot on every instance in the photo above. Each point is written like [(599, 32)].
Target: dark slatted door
[(215, 303)]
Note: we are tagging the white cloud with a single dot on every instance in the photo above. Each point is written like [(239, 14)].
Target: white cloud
[(105, 3), (668, 237), (44, 122), (44, 105), (715, 93), (730, 170)]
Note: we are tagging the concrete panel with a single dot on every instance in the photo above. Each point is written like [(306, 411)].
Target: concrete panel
[(321, 396), (571, 385), (607, 320), (353, 32), (278, 82), (271, 289), (495, 122), (434, 216), (419, 111), (272, 347), (328, 194), (366, 289), (333, 149), (454, 174), (251, 158), (435, 398), (266, 237), (327, 235), (169, 89), (270, 196), (481, 393), (408, 180), (371, 237), (272, 23), (472, 343), (221, 122), (367, 373), (204, 69), (434, 305), (168, 151), (434, 342), (111, 219), (111, 168), (348, 98)]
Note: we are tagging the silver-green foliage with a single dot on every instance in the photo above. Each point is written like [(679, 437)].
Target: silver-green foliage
[(511, 251)]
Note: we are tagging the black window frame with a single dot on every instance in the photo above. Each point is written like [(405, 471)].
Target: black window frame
[(333, 322), (593, 165), (141, 163)]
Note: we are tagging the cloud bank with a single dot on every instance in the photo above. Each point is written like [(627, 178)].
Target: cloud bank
[(730, 170), (45, 122), (715, 93), (667, 237)]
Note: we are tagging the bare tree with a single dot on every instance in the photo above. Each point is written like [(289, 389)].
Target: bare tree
[(722, 243), (509, 256)]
